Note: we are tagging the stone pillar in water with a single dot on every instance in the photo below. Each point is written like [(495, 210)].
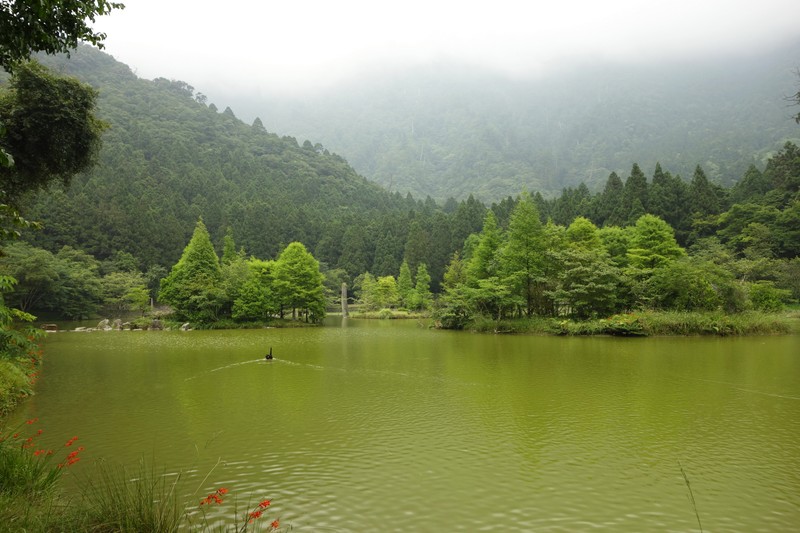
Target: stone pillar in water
[(344, 300)]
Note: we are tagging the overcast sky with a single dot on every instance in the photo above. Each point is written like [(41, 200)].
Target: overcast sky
[(297, 45)]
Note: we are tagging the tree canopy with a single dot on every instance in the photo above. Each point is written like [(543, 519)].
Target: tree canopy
[(192, 287), (48, 26), (51, 130), (298, 282)]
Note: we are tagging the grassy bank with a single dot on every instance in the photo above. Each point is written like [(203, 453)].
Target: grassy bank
[(15, 384), (389, 314), (20, 359), (256, 324), (647, 323), (110, 498)]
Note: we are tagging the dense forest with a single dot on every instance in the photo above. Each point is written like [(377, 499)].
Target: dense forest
[(448, 131), (170, 159), (579, 255)]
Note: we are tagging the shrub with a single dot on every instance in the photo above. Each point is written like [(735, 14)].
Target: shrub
[(629, 325), (766, 297), (13, 384)]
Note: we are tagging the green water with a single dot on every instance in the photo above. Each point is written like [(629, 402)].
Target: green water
[(388, 426)]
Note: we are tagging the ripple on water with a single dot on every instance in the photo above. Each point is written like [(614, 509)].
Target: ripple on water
[(378, 429)]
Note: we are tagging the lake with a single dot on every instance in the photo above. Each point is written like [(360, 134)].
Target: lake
[(390, 426)]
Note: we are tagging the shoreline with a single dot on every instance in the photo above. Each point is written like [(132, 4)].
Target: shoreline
[(648, 324)]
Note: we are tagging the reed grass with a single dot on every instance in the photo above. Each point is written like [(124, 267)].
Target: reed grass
[(142, 499), (720, 324), (691, 497), (112, 498), (29, 478), (388, 314), (645, 323), (24, 471)]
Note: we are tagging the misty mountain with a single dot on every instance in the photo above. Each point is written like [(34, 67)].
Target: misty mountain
[(446, 130), (168, 159)]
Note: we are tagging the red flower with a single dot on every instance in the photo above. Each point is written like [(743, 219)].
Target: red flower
[(213, 497), (275, 524), (222, 491), (71, 458), (70, 441), (255, 514), (32, 421), (264, 504)]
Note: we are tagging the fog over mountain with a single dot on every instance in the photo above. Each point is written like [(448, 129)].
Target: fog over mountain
[(451, 130), (295, 47), (441, 98)]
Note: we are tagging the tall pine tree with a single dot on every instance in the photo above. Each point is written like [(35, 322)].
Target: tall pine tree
[(193, 286)]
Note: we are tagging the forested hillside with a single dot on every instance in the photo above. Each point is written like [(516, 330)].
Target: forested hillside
[(446, 131), (168, 159)]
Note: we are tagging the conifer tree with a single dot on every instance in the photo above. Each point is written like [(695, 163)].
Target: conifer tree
[(258, 125), (418, 246), (193, 286), (653, 243), (753, 185), (422, 290), (669, 201), (405, 285), (523, 254), (484, 261), (455, 274), (783, 172), (299, 283), (228, 247), (660, 201), (705, 197), (388, 248), (588, 280), (583, 234), (355, 257), (608, 203), (635, 195), (366, 284), (386, 292), (257, 299)]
